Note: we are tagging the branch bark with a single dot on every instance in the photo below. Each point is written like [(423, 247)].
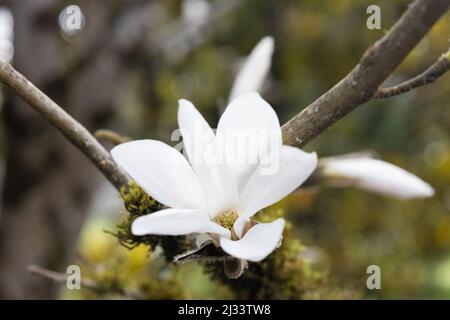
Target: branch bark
[(437, 69), (110, 136), (78, 135), (87, 283), (359, 86)]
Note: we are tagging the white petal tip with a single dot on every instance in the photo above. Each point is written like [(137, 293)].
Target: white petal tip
[(313, 156), (258, 243), (253, 73), (421, 191), (183, 104), (268, 42), (377, 176), (138, 227), (430, 192), (121, 150), (183, 101), (308, 159)]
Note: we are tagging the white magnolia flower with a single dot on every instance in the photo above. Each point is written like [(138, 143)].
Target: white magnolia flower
[(374, 175), (252, 74), (212, 197)]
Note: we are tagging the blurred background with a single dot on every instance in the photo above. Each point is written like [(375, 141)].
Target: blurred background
[(125, 68)]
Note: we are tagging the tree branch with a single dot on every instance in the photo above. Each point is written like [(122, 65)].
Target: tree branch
[(110, 136), (89, 284), (61, 277), (359, 86), (437, 69), (78, 135)]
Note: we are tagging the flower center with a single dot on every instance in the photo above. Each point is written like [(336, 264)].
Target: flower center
[(227, 219)]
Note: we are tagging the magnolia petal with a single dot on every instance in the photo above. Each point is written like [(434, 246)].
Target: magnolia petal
[(254, 71), (247, 131), (198, 138), (272, 183), (175, 222), (257, 243), (374, 175), (161, 171)]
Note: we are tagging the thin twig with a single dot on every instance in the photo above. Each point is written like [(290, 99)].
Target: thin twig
[(359, 86), (62, 277), (437, 69), (68, 126), (84, 282), (111, 137)]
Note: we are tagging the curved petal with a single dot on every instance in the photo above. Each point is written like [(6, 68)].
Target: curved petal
[(257, 243), (175, 222), (161, 171), (374, 175), (272, 183), (254, 71), (198, 138), (248, 130)]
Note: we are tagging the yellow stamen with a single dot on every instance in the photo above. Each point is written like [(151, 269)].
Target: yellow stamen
[(227, 219)]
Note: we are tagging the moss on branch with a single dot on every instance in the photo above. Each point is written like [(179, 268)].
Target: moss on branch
[(137, 203), (285, 274)]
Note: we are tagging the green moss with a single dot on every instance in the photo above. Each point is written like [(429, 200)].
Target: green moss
[(285, 274), (119, 280), (161, 290), (138, 203)]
